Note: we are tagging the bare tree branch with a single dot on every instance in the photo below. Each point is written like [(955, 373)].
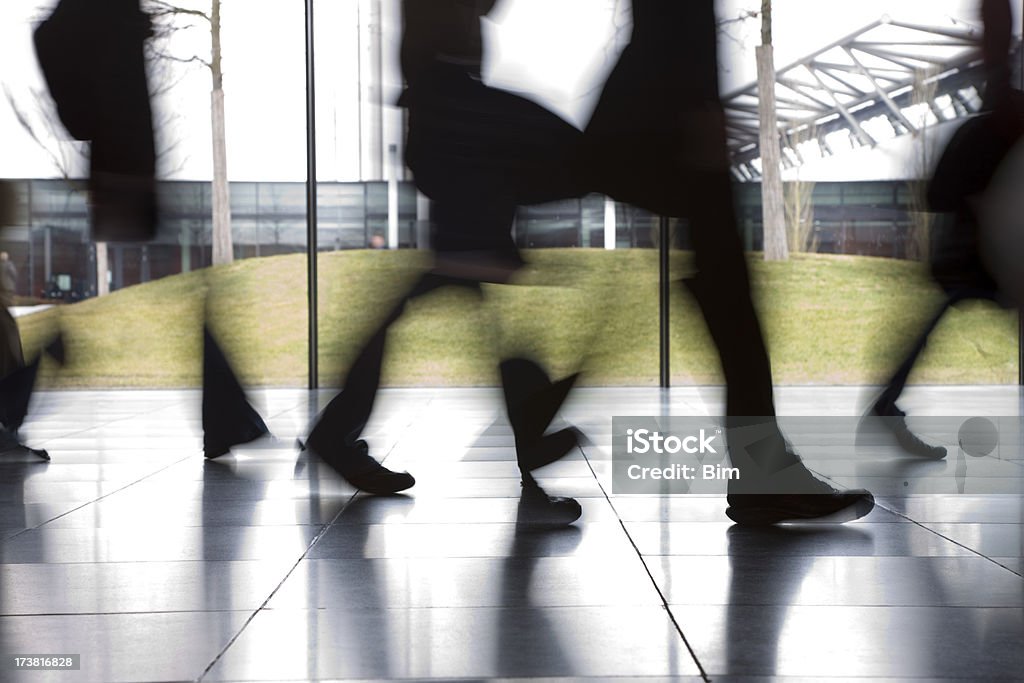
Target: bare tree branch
[(725, 24), (167, 21), (740, 18), (63, 159), (160, 8), (182, 60)]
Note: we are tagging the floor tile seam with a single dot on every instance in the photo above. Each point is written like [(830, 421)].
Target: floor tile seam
[(159, 526), (263, 606), (509, 525), (726, 554), (1009, 569), (464, 608), (950, 540), (135, 562), (478, 679), (654, 584), (832, 605), (1013, 461), (625, 606), (96, 500), (107, 423), (589, 556), (165, 527), (127, 613)]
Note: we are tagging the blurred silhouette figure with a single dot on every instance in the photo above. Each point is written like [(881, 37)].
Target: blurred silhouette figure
[(657, 140), (16, 378), (11, 357), (8, 278), (91, 53), (229, 419), (477, 153), (963, 173)]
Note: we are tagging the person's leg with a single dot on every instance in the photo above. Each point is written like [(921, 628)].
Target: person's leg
[(480, 152), (11, 356), (335, 436), (228, 418), (539, 160), (532, 400), (885, 411), (15, 393), (657, 140), (894, 387), (721, 288)]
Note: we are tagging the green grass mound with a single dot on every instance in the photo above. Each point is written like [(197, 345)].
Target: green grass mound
[(828, 319)]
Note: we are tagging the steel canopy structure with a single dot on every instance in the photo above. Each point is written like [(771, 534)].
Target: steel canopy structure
[(907, 74)]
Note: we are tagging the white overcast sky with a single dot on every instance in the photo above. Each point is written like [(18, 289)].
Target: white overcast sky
[(558, 51)]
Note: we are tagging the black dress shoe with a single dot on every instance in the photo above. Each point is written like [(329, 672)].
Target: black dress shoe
[(538, 510), (229, 419), (893, 423), (359, 469), (805, 499), (10, 446)]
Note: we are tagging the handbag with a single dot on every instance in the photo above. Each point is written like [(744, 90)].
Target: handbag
[(91, 53)]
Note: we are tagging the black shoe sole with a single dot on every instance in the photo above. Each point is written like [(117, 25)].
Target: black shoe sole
[(380, 482), (768, 514), (211, 452), (21, 448), (887, 435), (555, 514)]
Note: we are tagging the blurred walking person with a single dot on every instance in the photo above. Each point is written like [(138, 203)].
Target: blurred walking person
[(92, 56), (477, 153), (959, 263), (657, 140)]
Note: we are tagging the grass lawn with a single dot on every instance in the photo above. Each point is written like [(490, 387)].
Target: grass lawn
[(829, 320)]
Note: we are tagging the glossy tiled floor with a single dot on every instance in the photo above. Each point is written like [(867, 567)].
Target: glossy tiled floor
[(154, 565)]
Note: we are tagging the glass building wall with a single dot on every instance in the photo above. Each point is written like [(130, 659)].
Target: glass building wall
[(859, 265)]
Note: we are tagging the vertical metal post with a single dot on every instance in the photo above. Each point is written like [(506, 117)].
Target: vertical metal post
[(664, 292), (32, 291), (311, 215), (1020, 312)]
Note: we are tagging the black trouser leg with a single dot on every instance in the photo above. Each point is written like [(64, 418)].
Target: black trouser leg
[(228, 418), (15, 393), (345, 417), (898, 382), (722, 290), (532, 401)]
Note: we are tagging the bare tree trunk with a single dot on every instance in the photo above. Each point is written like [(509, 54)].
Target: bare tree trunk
[(371, 112), (223, 247), (102, 267), (772, 205), (799, 200), (918, 246)]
